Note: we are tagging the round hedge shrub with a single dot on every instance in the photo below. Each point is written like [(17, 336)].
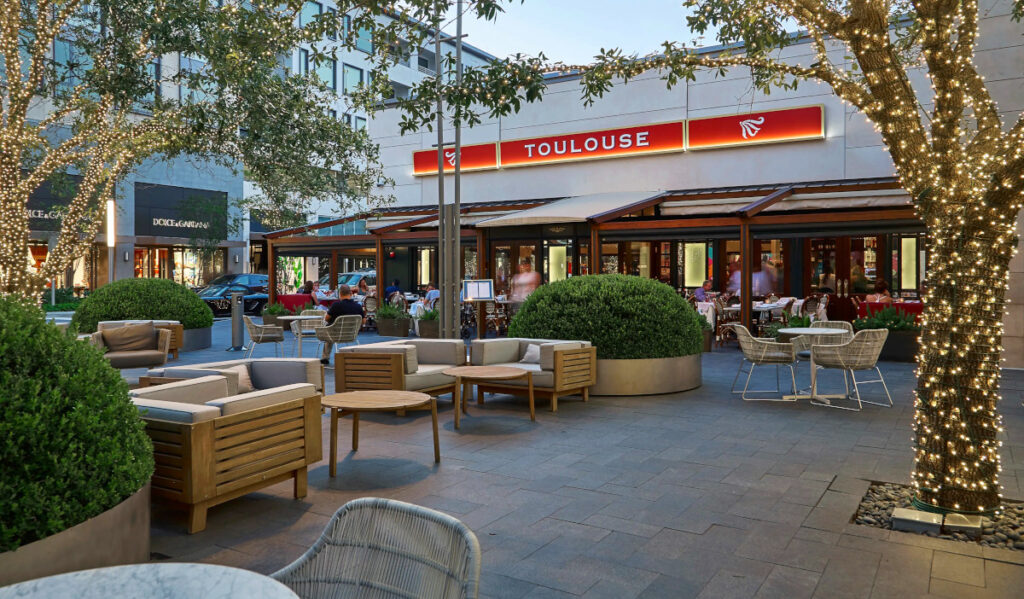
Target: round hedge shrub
[(73, 445), (143, 299), (623, 316)]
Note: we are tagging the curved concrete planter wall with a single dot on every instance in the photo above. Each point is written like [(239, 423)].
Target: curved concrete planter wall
[(118, 536), (193, 339), (647, 377)]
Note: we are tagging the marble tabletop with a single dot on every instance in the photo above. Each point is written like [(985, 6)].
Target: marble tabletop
[(152, 581)]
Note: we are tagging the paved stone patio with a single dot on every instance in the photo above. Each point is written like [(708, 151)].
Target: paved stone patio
[(690, 495)]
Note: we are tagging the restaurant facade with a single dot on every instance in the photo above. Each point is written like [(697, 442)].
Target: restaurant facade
[(787, 194)]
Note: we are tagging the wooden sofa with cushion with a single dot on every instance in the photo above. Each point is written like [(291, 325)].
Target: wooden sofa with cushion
[(133, 345), (212, 446), (176, 328), (559, 368), (407, 365), (250, 374)]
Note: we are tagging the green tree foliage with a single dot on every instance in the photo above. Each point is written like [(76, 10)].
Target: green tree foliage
[(142, 299), (623, 316), (73, 445)]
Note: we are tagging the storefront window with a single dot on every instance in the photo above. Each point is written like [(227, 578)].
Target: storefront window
[(695, 264), (469, 264), (558, 263), (192, 271), (769, 271), (584, 258), (502, 269), (823, 265), (733, 266), (863, 264), (663, 261), (424, 266), (609, 258), (909, 264)]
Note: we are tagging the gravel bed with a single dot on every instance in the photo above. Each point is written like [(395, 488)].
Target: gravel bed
[(1005, 530)]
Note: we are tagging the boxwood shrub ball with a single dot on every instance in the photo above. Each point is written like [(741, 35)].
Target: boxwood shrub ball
[(625, 317), (143, 299)]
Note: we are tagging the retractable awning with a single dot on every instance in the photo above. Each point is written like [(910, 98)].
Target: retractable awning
[(576, 209)]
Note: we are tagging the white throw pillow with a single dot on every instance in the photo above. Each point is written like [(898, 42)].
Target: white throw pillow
[(532, 355), (244, 380)]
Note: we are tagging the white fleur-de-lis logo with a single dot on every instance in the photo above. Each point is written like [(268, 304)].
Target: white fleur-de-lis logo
[(449, 155), (751, 127)]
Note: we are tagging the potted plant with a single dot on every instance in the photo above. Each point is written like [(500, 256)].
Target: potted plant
[(149, 299), (430, 324), (648, 338), (76, 458), (392, 322), (901, 344), (708, 332), (272, 311)]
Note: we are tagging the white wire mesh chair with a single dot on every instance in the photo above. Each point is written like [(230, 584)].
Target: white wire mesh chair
[(763, 352), (306, 329), (859, 354), (262, 333), (382, 548), (344, 329)]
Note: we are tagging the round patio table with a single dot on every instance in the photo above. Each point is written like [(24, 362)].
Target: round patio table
[(467, 375), (790, 333), (299, 318), (146, 581)]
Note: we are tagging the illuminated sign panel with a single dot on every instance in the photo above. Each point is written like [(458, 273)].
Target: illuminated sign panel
[(770, 126), (610, 143), (474, 158), (766, 126)]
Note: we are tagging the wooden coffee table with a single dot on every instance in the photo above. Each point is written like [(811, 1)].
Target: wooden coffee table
[(467, 375), (355, 402)]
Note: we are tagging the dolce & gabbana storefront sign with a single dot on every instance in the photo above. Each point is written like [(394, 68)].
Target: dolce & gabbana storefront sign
[(166, 211)]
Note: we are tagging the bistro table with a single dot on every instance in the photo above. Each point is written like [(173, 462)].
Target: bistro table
[(147, 581), (290, 319), (794, 332), (467, 375), (355, 402)]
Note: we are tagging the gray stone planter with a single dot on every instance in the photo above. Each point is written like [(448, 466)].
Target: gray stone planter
[(393, 327), (194, 339), (118, 536), (653, 376)]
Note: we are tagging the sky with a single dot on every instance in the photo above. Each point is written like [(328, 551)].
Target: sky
[(573, 31)]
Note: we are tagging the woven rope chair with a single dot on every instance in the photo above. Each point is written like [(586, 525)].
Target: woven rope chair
[(859, 354), (370, 304), (262, 333), (382, 548), (397, 300), (763, 352), (306, 329), (344, 329)]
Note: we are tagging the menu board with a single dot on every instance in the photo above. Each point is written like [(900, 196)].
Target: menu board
[(478, 290)]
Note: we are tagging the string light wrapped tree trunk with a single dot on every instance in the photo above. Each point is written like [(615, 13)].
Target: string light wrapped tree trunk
[(961, 164)]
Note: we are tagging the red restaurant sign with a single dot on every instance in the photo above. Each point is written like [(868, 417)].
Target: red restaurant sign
[(474, 158), (610, 143), (770, 126)]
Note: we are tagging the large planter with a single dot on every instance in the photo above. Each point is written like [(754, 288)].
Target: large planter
[(900, 346), (652, 376), (430, 329), (393, 327), (118, 536), (194, 339)]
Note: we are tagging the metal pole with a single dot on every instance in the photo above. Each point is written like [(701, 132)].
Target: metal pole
[(455, 271), (237, 328), (446, 307)]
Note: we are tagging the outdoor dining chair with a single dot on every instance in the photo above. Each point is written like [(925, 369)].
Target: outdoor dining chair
[(262, 333), (383, 548), (344, 329), (306, 329), (857, 355), (763, 352), (370, 307)]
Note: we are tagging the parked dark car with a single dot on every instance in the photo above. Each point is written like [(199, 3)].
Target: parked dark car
[(217, 294)]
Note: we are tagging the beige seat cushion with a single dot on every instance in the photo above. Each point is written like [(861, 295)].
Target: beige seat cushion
[(428, 376), (439, 351), (133, 337), (174, 411), (486, 352), (135, 359), (541, 378), (262, 398), (192, 391)]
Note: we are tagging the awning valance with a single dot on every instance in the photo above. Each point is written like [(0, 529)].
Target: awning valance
[(576, 209)]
